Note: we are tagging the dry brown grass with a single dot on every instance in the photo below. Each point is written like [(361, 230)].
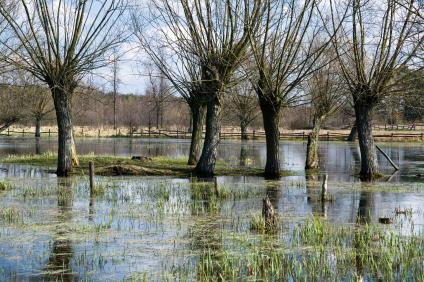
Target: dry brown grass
[(89, 131)]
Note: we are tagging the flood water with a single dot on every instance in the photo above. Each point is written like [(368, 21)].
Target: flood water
[(156, 228)]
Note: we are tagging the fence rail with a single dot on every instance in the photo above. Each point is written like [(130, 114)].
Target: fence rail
[(181, 134)]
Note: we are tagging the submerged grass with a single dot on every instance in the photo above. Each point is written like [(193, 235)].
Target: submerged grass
[(5, 186), (258, 223), (155, 228), (318, 250)]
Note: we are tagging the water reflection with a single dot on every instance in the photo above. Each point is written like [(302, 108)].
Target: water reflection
[(142, 222), (365, 207), (313, 194), (341, 160), (59, 267), (37, 146), (205, 232)]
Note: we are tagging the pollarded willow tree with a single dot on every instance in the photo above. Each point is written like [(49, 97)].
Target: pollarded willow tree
[(179, 66), (378, 41), (216, 35), (327, 93), (59, 42), (286, 51)]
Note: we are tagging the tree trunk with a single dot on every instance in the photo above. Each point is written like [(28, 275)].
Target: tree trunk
[(67, 156), (271, 119), (37, 126), (157, 117), (206, 165), (114, 111), (352, 134), (198, 113), (312, 159), (243, 156), (369, 163), (243, 128)]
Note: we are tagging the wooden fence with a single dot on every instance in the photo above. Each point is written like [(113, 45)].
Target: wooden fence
[(181, 134)]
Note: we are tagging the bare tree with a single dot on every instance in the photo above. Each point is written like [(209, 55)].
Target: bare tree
[(327, 94), (12, 103), (37, 100), (59, 44), (243, 106), (377, 42), (159, 95), (215, 33), (180, 68), (39, 104), (115, 83), (286, 51)]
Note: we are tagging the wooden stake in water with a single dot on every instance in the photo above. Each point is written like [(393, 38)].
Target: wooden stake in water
[(91, 172), (324, 188)]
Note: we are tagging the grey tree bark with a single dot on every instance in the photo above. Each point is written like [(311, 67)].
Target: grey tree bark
[(206, 165), (198, 113), (243, 156), (243, 128), (67, 158), (352, 134), (271, 120), (369, 163), (37, 126), (312, 159)]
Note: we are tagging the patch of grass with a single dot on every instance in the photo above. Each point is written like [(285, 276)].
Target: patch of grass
[(10, 214), (5, 186), (46, 159), (99, 190), (157, 166), (317, 251), (258, 223)]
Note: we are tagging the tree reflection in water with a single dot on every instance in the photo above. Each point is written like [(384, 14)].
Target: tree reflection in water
[(59, 266), (313, 191)]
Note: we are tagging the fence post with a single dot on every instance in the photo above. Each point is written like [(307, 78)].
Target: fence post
[(422, 136), (23, 131), (8, 131), (49, 132), (178, 134), (82, 131), (303, 135), (99, 133), (328, 135)]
